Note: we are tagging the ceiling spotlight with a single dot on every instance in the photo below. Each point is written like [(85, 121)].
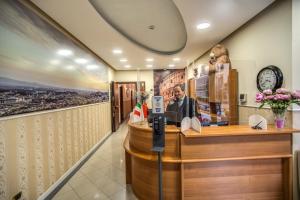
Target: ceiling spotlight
[(203, 25), (92, 67), (127, 66), (123, 60), (171, 65), (81, 60), (65, 52), (117, 51), (149, 66), (149, 59), (54, 62), (176, 59), (70, 67)]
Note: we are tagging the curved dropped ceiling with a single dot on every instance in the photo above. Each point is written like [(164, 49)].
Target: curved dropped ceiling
[(154, 24)]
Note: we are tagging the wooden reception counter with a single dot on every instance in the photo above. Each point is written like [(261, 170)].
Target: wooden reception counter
[(230, 162)]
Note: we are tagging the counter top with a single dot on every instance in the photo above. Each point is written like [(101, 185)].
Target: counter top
[(144, 126), (236, 130), (217, 131)]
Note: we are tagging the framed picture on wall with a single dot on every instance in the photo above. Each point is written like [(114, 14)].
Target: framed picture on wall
[(164, 82)]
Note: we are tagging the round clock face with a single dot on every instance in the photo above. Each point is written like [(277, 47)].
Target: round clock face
[(269, 78)]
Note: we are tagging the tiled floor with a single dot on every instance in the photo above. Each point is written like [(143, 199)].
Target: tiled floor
[(103, 175)]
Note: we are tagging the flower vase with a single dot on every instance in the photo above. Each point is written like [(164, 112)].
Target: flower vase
[(279, 119)]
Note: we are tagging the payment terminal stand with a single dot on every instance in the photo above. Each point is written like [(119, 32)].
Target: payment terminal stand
[(158, 131)]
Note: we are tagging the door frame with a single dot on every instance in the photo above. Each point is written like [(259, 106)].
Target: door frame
[(114, 125)]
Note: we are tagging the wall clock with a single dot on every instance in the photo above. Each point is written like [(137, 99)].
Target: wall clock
[(269, 77)]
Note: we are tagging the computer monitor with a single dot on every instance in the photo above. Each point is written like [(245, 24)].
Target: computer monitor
[(172, 118)]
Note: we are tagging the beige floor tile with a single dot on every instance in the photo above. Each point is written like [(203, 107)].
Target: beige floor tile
[(102, 181), (121, 180), (95, 196), (112, 188), (73, 182), (85, 189), (111, 171), (123, 195), (98, 164), (94, 174), (119, 164), (86, 168), (103, 175), (67, 196)]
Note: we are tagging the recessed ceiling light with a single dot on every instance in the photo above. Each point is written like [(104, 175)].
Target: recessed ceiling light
[(149, 59), (176, 59), (123, 60), (117, 51), (65, 52), (127, 66), (51, 68), (171, 65), (54, 62), (70, 67), (149, 66), (203, 25), (92, 67), (81, 60)]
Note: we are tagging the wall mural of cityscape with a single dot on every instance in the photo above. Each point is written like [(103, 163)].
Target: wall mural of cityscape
[(18, 97), (41, 68)]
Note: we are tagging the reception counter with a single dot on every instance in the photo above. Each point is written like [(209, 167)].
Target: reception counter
[(230, 162)]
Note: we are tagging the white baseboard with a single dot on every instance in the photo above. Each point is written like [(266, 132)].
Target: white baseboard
[(48, 194)]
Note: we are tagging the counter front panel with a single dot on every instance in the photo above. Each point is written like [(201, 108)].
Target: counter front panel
[(233, 162)]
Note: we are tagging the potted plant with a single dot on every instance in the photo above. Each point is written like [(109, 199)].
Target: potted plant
[(278, 101)]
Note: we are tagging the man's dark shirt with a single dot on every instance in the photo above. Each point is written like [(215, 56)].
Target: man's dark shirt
[(186, 109)]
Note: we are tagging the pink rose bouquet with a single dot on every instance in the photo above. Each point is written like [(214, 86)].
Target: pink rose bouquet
[(278, 100)]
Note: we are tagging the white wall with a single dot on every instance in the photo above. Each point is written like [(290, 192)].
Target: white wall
[(296, 83), (111, 75), (134, 75), (265, 40), (147, 76)]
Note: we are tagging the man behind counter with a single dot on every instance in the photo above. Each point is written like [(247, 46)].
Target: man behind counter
[(181, 105)]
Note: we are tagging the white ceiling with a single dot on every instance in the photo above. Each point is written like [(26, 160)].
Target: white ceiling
[(81, 19), (149, 30)]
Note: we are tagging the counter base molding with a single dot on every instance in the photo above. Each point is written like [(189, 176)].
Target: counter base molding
[(232, 162)]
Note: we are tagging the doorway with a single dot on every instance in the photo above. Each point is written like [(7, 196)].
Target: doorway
[(121, 87), (123, 100)]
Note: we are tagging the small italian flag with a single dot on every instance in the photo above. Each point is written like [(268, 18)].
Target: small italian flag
[(138, 110), (138, 114)]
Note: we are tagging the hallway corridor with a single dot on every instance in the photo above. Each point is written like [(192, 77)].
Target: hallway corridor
[(103, 175)]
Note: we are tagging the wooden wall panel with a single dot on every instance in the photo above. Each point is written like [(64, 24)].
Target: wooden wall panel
[(242, 180), (233, 163), (145, 179), (235, 146), (233, 97), (141, 140)]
